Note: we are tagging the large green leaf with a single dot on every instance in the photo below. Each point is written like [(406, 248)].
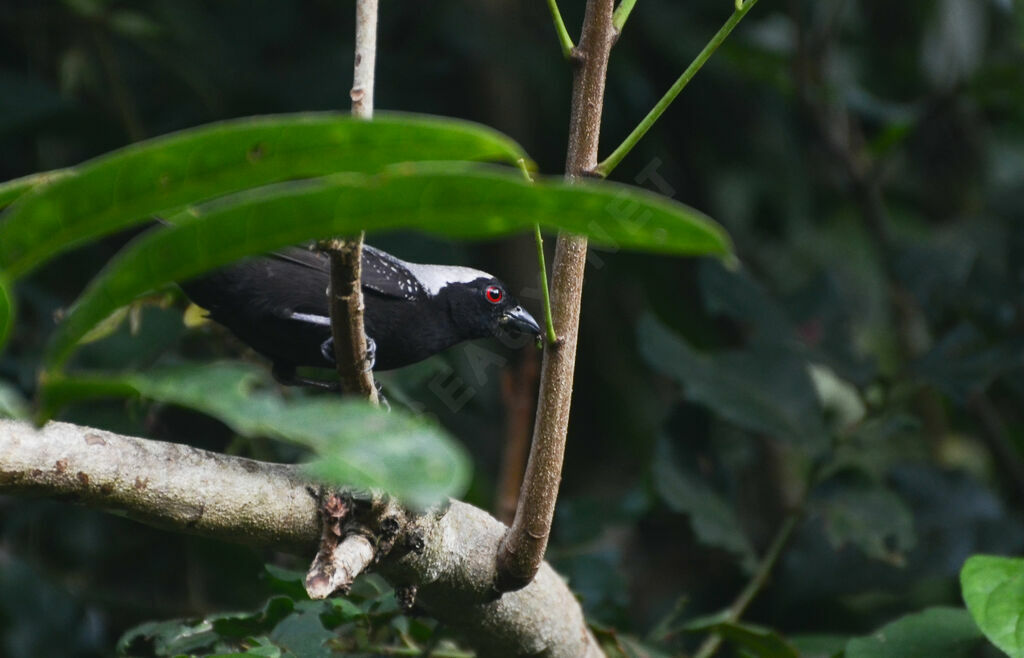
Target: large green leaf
[(12, 404), (356, 445), (993, 588), (155, 176), (755, 640), (935, 633), (860, 510), (12, 189), (452, 200)]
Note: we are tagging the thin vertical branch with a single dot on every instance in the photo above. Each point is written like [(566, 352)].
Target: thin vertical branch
[(522, 548), (346, 307), (549, 323), (345, 293), (366, 59)]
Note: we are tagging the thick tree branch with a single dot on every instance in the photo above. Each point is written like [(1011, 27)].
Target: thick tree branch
[(167, 485), (522, 550), (448, 555)]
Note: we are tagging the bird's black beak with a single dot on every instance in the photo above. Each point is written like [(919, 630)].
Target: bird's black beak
[(519, 319)]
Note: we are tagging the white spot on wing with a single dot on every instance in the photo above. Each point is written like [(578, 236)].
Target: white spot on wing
[(312, 318)]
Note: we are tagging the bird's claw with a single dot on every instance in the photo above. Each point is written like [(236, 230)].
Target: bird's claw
[(327, 351), (371, 354)]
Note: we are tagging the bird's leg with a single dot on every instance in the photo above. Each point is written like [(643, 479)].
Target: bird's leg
[(285, 374), (327, 351)]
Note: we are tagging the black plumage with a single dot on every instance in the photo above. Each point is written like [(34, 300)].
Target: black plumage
[(277, 304)]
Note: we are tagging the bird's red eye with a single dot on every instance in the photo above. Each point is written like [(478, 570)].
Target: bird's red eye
[(493, 294)]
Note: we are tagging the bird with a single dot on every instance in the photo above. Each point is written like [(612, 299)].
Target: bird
[(277, 304)]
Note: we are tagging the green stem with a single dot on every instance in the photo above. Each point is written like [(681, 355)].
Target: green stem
[(605, 167), (760, 579), (621, 14), (548, 321), (564, 40)]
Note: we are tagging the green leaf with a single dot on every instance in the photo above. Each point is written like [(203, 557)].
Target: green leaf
[(760, 641), (861, 511), (12, 189), (242, 624), (935, 632), (303, 634), (993, 588), (357, 445), (819, 646), (12, 404), (6, 312), (713, 520), (341, 611), (152, 177), (769, 392), (456, 201), (289, 582), (167, 638)]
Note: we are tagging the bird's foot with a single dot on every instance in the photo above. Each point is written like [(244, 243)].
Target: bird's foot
[(371, 356), (327, 351)]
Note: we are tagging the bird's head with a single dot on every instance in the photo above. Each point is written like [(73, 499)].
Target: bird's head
[(480, 305)]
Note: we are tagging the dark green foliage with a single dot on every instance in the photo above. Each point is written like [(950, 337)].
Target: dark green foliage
[(289, 625), (938, 632), (863, 365)]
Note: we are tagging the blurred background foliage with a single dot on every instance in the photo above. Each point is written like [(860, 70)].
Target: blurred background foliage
[(864, 366)]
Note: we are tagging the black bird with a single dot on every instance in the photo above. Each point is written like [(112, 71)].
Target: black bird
[(277, 304)]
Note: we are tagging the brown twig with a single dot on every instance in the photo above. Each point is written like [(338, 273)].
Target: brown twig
[(346, 294), (523, 546), (346, 305), (343, 555)]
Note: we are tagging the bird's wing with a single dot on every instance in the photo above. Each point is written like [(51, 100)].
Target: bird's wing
[(390, 276), (381, 272)]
